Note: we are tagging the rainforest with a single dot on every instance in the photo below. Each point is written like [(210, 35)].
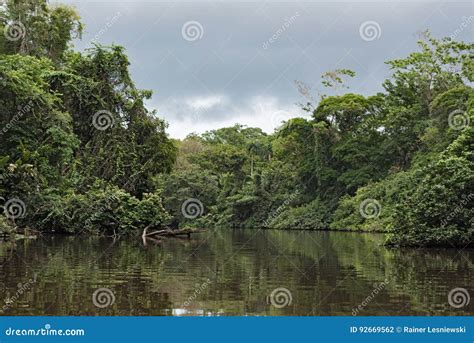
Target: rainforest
[(83, 160)]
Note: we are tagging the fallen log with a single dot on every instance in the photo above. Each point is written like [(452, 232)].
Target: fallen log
[(154, 240), (172, 233), (144, 236)]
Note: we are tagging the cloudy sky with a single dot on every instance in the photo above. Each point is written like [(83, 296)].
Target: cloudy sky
[(212, 64)]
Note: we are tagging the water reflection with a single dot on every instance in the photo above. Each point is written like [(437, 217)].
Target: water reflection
[(233, 272)]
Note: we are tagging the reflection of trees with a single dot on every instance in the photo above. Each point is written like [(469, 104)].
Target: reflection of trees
[(7, 250), (421, 279), (328, 273)]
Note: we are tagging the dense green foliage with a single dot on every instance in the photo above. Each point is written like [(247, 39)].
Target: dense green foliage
[(399, 162), (83, 153), (79, 148)]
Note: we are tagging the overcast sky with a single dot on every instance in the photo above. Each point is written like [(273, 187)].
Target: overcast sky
[(212, 64)]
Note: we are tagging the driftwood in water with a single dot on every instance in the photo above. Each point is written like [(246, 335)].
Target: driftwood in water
[(155, 236), (145, 238), (173, 233)]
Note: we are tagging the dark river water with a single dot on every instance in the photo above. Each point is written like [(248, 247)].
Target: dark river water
[(234, 272)]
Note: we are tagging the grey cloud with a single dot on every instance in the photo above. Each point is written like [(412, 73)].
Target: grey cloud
[(230, 59)]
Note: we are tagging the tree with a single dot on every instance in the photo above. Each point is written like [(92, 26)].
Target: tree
[(32, 27)]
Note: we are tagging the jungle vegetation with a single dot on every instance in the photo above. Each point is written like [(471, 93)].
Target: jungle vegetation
[(400, 161)]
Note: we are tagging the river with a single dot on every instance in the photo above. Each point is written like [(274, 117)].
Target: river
[(231, 272)]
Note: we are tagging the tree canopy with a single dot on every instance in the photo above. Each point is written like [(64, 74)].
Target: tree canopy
[(80, 151)]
